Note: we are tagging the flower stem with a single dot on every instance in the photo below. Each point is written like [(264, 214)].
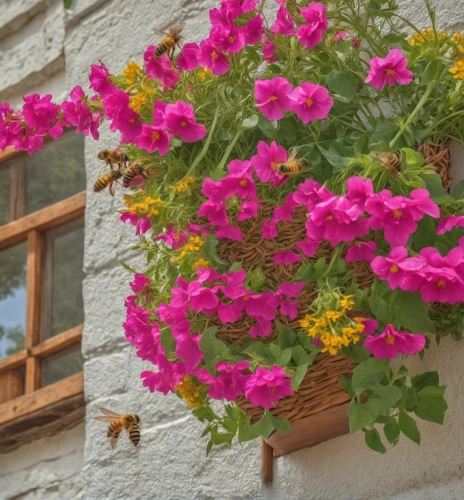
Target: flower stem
[(220, 167)]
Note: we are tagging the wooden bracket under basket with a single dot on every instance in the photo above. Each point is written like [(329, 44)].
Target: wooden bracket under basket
[(314, 429)]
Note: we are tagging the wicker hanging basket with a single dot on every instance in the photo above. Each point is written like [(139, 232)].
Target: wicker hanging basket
[(320, 405)]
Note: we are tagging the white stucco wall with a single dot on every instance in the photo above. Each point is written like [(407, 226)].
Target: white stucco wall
[(170, 462)]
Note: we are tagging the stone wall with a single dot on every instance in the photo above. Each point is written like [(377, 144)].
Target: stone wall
[(43, 46)]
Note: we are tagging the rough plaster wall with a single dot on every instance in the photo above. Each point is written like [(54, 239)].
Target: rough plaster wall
[(48, 468)]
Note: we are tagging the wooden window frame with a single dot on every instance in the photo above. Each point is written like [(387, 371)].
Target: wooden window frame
[(31, 229)]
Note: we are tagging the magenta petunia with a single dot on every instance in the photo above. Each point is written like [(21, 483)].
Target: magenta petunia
[(263, 328), (39, 112), (212, 57), (272, 97), (310, 102), (216, 213), (284, 23), (370, 325), (153, 138), (228, 313), (285, 212), (181, 121), (289, 308), (359, 190), (239, 181), (269, 230), (188, 58), (229, 38), (248, 210), (202, 298), (229, 232), (311, 33), (449, 223), (310, 193), (308, 247), (390, 70), (140, 283), (129, 124), (399, 270), (254, 30), (99, 80), (160, 68), (361, 251), (343, 35), (291, 290), (266, 161), (269, 51), (287, 258), (265, 387), (142, 224), (391, 342)]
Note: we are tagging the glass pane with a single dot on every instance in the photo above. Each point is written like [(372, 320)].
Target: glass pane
[(55, 173), (63, 303), (61, 365), (4, 195), (12, 299)]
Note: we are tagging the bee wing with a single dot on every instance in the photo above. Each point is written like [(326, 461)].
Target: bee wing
[(104, 419), (292, 153), (114, 441), (175, 29), (110, 413)]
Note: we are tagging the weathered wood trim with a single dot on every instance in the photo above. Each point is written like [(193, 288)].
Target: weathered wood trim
[(59, 343)]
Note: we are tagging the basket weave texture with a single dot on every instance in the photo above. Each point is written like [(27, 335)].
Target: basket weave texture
[(320, 389)]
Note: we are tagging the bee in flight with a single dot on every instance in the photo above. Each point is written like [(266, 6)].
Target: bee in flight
[(173, 38), (113, 156), (132, 171), (118, 423), (390, 161), (108, 179), (293, 166)]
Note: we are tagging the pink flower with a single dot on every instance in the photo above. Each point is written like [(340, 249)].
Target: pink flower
[(308, 247), (160, 68), (201, 298), (311, 33), (39, 112), (336, 220), (343, 35), (449, 223), (269, 51), (310, 193), (239, 181), (266, 161), (310, 102), (370, 325), (188, 348), (272, 97), (142, 224), (175, 239), (263, 329), (254, 30), (291, 290), (287, 258), (265, 387), (216, 213), (228, 313), (269, 230), (229, 37), (391, 342), (99, 80), (285, 212), (153, 138), (359, 190), (181, 121), (289, 308), (78, 114), (230, 382), (284, 23), (188, 59), (229, 232), (261, 305), (168, 377), (389, 70), (398, 270), (398, 215), (130, 125), (361, 251), (140, 283), (211, 57), (248, 210)]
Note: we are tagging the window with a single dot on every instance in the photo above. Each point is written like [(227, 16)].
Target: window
[(41, 258)]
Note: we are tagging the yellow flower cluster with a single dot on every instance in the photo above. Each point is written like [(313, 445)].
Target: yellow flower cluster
[(419, 38), (194, 244), (458, 38), (334, 328), (148, 206), (137, 101), (203, 73), (182, 186), (458, 70), (132, 72), (190, 390), (200, 263)]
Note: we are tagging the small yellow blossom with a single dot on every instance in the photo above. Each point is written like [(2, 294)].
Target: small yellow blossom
[(200, 263), (191, 391), (148, 206), (458, 70), (428, 34), (147, 89), (347, 302), (137, 101), (204, 72), (132, 72), (182, 186), (458, 38), (194, 244)]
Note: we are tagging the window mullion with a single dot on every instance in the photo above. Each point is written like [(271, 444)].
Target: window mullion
[(17, 189)]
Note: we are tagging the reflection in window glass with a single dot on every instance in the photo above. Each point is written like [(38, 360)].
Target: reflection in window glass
[(4, 194), (12, 299), (55, 173), (61, 365), (63, 306)]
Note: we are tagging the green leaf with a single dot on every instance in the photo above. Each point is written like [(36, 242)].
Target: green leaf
[(458, 191), (286, 337), (128, 268), (306, 273), (392, 432), (411, 159), (320, 266), (384, 132), (300, 373), (210, 345), (433, 184), (374, 442), (414, 321), (369, 373), (250, 122), (267, 425), (281, 425), (67, 3), (425, 380), (236, 266), (209, 446), (221, 437), (275, 350), (267, 127), (345, 381), (211, 244), (431, 71), (168, 341), (339, 163), (425, 233), (285, 357), (432, 405), (246, 431), (408, 427), (360, 415), (385, 397), (410, 399), (342, 83), (204, 413), (378, 307)]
